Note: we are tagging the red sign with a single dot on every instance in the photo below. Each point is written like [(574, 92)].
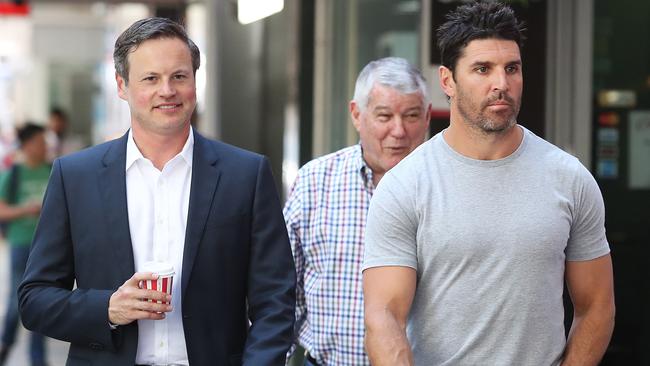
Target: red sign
[(12, 8), (608, 119)]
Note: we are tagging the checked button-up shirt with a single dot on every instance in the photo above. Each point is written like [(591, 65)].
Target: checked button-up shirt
[(326, 216)]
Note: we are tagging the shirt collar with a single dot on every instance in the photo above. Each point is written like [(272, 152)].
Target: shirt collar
[(363, 168), (133, 153)]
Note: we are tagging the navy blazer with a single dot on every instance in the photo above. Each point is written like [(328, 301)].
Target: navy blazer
[(237, 262)]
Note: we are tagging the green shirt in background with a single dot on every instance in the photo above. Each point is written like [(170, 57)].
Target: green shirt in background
[(32, 183)]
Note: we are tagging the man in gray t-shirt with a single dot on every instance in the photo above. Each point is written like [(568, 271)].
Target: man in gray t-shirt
[(470, 238)]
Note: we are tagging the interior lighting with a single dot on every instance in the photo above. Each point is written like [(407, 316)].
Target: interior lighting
[(249, 11)]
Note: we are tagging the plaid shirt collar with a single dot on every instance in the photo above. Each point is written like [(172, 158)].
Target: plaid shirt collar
[(363, 168)]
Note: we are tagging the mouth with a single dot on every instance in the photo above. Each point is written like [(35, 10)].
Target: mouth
[(397, 149), (499, 106), (499, 103), (168, 106)]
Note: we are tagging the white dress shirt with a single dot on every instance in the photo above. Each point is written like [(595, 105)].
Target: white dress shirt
[(158, 202)]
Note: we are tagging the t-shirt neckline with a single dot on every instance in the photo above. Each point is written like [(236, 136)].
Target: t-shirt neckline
[(485, 163)]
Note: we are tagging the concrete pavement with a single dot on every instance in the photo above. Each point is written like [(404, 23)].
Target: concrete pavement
[(57, 351)]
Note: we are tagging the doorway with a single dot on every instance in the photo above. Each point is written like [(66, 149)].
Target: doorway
[(621, 164)]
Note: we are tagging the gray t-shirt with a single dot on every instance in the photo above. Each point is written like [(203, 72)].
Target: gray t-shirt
[(489, 240)]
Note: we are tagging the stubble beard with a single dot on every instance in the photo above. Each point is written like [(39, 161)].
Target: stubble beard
[(478, 120)]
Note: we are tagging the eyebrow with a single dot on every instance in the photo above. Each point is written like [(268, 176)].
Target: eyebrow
[(177, 71), (381, 108), (414, 109), (489, 63)]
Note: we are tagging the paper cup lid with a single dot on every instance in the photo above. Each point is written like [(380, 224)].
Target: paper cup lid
[(159, 268)]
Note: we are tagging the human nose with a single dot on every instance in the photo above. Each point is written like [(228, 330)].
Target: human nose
[(167, 89), (500, 81), (399, 129)]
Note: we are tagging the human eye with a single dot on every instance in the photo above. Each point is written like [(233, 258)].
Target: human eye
[(512, 69), (149, 78), (481, 69), (180, 76), (383, 117), (413, 116)]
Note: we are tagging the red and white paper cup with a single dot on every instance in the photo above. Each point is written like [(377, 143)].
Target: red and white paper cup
[(165, 272)]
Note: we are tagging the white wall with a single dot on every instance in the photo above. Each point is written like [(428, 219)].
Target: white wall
[(15, 71), (71, 49)]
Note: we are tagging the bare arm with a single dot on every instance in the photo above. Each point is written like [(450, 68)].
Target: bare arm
[(388, 295), (12, 212), (591, 288)]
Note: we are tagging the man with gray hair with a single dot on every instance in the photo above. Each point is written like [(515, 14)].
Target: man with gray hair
[(326, 209), (162, 193)]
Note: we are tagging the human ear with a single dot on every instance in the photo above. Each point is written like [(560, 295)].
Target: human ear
[(355, 113), (121, 86), (447, 82)]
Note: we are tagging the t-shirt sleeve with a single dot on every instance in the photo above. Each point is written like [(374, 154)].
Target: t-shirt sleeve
[(391, 227), (587, 238)]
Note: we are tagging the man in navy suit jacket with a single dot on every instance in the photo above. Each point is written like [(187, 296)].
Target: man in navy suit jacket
[(161, 192)]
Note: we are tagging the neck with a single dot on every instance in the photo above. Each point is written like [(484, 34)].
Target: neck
[(480, 145), (376, 177), (160, 149)]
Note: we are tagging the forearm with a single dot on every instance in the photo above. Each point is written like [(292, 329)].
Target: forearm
[(386, 342), (590, 334), (11, 212)]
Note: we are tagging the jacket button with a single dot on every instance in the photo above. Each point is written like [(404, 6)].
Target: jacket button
[(96, 346)]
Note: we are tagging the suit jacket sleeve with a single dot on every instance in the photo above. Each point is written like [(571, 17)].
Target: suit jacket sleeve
[(48, 303), (272, 278)]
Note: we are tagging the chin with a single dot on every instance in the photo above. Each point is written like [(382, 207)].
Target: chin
[(491, 127)]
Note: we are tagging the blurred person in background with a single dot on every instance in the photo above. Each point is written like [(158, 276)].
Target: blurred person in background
[(327, 207), (21, 192), (164, 193), (470, 239), (59, 140)]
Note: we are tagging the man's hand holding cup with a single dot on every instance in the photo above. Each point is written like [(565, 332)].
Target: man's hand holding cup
[(146, 295)]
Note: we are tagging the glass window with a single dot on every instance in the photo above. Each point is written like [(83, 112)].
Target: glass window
[(349, 34), (621, 135)]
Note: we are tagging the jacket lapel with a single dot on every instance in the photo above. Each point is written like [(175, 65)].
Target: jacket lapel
[(112, 187), (205, 178)]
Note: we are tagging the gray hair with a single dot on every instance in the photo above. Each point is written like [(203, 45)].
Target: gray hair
[(393, 72), (144, 30)]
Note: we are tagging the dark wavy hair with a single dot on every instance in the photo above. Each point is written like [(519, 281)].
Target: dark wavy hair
[(479, 20)]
